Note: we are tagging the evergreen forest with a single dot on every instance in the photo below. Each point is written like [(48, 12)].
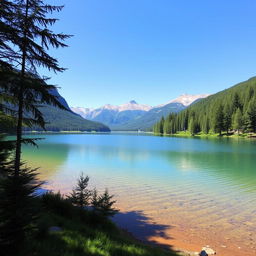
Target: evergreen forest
[(227, 112)]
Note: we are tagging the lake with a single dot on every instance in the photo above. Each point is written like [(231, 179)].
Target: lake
[(184, 192)]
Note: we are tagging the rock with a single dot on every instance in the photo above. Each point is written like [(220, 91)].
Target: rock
[(55, 229), (208, 250), (203, 253)]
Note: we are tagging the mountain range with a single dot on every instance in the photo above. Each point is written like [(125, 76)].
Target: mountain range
[(63, 120), (134, 116)]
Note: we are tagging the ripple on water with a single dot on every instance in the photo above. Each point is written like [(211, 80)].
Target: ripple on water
[(198, 188)]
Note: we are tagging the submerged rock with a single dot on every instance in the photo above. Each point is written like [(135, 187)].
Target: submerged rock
[(203, 253), (206, 251)]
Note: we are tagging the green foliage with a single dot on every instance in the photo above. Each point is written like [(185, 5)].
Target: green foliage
[(24, 40), (161, 125), (18, 209), (192, 126), (227, 119), (233, 109), (218, 119), (25, 21), (80, 236), (103, 204), (146, 121), (57, 203), (252, 115), (61, 120), (238, 120), (81, 195), (205, 125)]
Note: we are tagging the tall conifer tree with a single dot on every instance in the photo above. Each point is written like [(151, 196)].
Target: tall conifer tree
[(24, 41)]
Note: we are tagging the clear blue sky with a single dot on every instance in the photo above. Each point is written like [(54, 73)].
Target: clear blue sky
[(153, 50)]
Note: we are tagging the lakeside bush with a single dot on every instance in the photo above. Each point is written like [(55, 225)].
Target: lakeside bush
[(82, 197), (19, 209), (81, 232)]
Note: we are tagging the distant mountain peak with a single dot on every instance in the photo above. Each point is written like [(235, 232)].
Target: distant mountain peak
[(187, 99), (92, 114), (134, 114)]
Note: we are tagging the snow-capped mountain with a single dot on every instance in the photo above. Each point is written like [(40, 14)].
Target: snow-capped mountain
[(91, 113), (133, 116), (187, 99), (81, 111), (133, 105), (113, 114)]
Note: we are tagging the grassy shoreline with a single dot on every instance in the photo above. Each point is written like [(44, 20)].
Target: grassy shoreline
[(80, 232), (210, 135)]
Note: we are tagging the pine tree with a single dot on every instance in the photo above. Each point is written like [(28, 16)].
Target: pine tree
[(218, 119), (238, 120), (192, 126), (252, 115), (227, 121), (95, 199), (81, 195), (206, 125), (166, 126), (24, 41), (104, 204), (18, 209), (236, 102), (27, 20), (161, 126)]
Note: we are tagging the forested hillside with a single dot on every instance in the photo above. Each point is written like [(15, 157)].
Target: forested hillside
[(229, 111), (62, 120)]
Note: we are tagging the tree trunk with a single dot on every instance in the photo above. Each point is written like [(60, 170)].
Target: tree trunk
[(21, 99)]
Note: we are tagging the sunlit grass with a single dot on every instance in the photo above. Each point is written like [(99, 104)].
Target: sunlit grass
[(84, 233)]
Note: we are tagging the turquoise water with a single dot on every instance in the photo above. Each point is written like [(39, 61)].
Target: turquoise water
[(209, 181)]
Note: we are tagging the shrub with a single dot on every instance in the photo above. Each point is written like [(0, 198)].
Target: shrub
[(18, 209), (57, 203), (81, 195), (103, 204)]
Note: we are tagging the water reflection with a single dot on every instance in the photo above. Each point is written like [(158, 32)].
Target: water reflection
[(48, 157), (196, 184), (155, 157)]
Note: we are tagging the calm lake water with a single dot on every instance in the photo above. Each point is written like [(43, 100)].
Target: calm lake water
[(183, 191)]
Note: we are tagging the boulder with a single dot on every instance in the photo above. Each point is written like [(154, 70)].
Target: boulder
[(203, 253), (208, 251)]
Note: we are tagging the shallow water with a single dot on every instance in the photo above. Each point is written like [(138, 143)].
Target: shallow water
[(184, 192)]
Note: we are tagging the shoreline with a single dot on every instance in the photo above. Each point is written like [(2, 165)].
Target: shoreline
[(184, 237), (180, 134), (210, 136), (179, 251), (186, 243)]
